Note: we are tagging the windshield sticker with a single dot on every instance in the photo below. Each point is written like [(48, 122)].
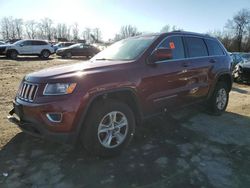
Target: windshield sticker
[(171, 45)]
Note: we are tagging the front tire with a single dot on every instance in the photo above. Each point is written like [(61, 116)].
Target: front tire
[(68, 55), (12, 54), (109, 128), (219, 99)]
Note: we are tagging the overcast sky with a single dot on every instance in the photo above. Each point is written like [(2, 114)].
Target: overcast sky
[(146, 15)]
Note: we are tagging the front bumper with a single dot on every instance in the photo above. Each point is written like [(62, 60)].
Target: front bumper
[(245, 74), (59, 53), (35, 128)]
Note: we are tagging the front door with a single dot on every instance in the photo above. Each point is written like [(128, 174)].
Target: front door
[(24, 47), (166, 81)]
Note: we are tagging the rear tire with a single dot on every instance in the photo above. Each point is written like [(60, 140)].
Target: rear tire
[(219, 100), (109, 128), (45, 54)]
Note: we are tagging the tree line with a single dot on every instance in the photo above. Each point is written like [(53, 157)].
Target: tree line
[(17, 28), (235, 35)]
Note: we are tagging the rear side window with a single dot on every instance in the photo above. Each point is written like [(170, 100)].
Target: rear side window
[(36, 42), (214, 48), (175, 43), (196, 47)]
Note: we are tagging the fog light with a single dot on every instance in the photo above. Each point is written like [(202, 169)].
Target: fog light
[(54, 117)]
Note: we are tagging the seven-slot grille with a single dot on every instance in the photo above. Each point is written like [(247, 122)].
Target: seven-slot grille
[(27, 91)]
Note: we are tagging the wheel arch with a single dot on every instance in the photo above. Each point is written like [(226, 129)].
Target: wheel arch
[(11, 50), (225, 77), (126, 95)]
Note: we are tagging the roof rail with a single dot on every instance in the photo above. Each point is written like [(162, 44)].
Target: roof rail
[(177, 31)]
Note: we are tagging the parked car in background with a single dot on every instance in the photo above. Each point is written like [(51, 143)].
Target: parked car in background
[(99, 102), (11, 41), (62, 45), (237, 58), (246, 56), (39, 48), (241, 72), (77, 50)]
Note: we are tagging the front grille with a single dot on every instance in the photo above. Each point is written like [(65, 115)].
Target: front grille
[(2, 50), (246, 70), (27, 91)]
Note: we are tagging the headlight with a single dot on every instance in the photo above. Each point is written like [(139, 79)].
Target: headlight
[(240, 69), (59, 88)]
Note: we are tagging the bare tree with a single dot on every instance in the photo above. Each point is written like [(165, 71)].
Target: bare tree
[(128, 31), (75, 31), (46, 29), (12, 29), (5, 28), (97, 34), (18, 23), (62, 31), (87, 34), (247, 42), (165, 29), (30, 27), (239, 25)]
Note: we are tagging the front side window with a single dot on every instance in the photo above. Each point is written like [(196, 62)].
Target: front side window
[(214, 48), (26, 43), (196, 47), (176, 45)]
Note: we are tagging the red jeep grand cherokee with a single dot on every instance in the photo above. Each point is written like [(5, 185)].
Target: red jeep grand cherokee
[(99, 102)]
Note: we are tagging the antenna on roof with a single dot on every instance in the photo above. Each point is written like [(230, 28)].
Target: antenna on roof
[(177, 30)]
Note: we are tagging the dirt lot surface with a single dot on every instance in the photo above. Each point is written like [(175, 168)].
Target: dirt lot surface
[(188, 148)]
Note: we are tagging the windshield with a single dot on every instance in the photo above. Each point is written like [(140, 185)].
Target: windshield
[(18, 42), (127, 49), (75, 45), (58, 44)]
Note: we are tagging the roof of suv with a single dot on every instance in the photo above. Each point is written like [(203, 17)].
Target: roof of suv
[(188, 33), (179, 33)]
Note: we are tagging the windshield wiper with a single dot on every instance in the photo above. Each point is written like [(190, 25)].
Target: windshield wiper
[(102, 59)]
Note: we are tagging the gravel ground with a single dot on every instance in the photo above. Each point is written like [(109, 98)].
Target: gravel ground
[(188, 148)]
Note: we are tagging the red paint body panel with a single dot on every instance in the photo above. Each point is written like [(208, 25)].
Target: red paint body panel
[(165, 84)]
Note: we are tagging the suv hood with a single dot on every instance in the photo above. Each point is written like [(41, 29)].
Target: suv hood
[(69, 71), (5, 45)]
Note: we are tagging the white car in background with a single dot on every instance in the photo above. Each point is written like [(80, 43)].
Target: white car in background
[(40, 48)]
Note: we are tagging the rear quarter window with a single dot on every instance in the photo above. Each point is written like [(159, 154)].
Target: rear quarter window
[(39, 43), (196, 47), (214, 48)]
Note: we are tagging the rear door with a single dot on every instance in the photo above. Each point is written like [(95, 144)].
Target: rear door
[(36, 47), (40, 45), (199, 66), (83, 50)]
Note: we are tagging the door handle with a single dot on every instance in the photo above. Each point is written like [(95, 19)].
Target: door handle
[(185, 64), (212, 61)]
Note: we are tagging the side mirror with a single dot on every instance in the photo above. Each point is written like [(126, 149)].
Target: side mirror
[(160, 54), (21, 45)]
